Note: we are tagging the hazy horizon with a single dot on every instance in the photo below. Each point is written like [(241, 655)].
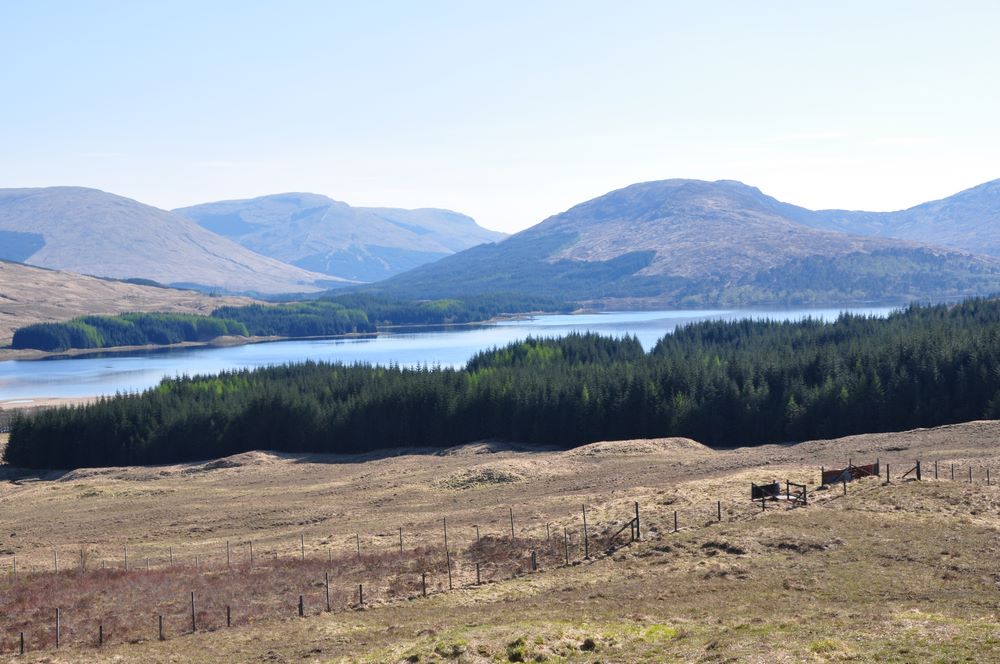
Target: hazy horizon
[(508, 113)]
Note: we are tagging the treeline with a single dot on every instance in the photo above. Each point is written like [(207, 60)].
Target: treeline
[(723, 383), (330, 316), (384, 310), (131, 329), (298, 319)]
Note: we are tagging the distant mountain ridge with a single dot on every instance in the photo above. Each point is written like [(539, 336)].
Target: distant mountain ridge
[(696, 243), (88, 231), (317, 233), (968, 220)]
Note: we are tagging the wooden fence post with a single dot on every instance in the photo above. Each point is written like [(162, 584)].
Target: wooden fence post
[(194, 621), (423, 584), (447, 556), (55, 560), (675, 521), (918, 470), (361, 596), (302, 606), (100, 635), (952, 472), (302, 545), (477, 574), (637, 535), (718, 510), (326, 583), (534, 561), (22, 643), (888, 480), (401, 539), (477, 534), (586, 541), (511, 523), (161, 628), (566, 544), (229, 616), (58, 625), (935, 469), (845, 487)]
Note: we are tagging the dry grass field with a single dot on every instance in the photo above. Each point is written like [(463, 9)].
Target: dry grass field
[(903, 572)]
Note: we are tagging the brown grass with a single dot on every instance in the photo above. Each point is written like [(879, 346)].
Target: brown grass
[(897, 572)]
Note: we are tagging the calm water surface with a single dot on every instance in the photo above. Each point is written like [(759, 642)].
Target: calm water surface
[(91, 376)]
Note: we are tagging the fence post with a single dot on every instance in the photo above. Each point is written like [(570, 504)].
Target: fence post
[(718, 510), (400, 539), (566, 544), (229, 616), (302, 606), (675, 521), (952, 471), (326, 583), (302, 545), (970, 474), (194, 622), (58, 625), (935, 469), (477, 534), (423, 584), (357, 540), (888, 480), (100, 635), (447, 555), (987, 477), (477, 574), (918, 470), (361, 596), (845, 487), (511, 523), (586, 542), (22, 643), (637, 535), (170, 552), (534, 561), (55, 560), (161, 627)]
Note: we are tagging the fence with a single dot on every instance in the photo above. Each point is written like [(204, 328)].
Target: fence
[(92, 600)]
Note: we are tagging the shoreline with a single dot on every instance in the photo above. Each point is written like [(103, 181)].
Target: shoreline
[(26, 354)]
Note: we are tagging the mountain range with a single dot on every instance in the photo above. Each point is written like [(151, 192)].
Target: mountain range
[(681, 243), (696, 243), (92, 232), (323, 235)]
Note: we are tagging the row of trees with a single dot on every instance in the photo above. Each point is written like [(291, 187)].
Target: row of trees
[(330, 316), (724, 383), (132, 329)]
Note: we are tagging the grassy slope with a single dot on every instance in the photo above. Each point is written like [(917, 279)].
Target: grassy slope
[(889, 573)]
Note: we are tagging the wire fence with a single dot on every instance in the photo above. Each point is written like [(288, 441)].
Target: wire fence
[(92, 596)]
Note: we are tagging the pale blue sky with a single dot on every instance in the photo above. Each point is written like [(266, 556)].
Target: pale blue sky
[(508, 111)]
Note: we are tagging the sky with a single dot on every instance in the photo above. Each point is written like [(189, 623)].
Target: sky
[(507, 111)]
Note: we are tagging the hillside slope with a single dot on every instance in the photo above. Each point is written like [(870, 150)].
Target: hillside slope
[(35, 295), (691, 243), (969, 220), (92, 232), (318, 233)]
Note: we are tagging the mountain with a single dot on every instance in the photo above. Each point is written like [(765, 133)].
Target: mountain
[(93, 232), (695, 243), (37, 295), (969, 220), (318, 233)]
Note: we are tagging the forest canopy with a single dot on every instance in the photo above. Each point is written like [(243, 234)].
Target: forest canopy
[(723, 383)]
